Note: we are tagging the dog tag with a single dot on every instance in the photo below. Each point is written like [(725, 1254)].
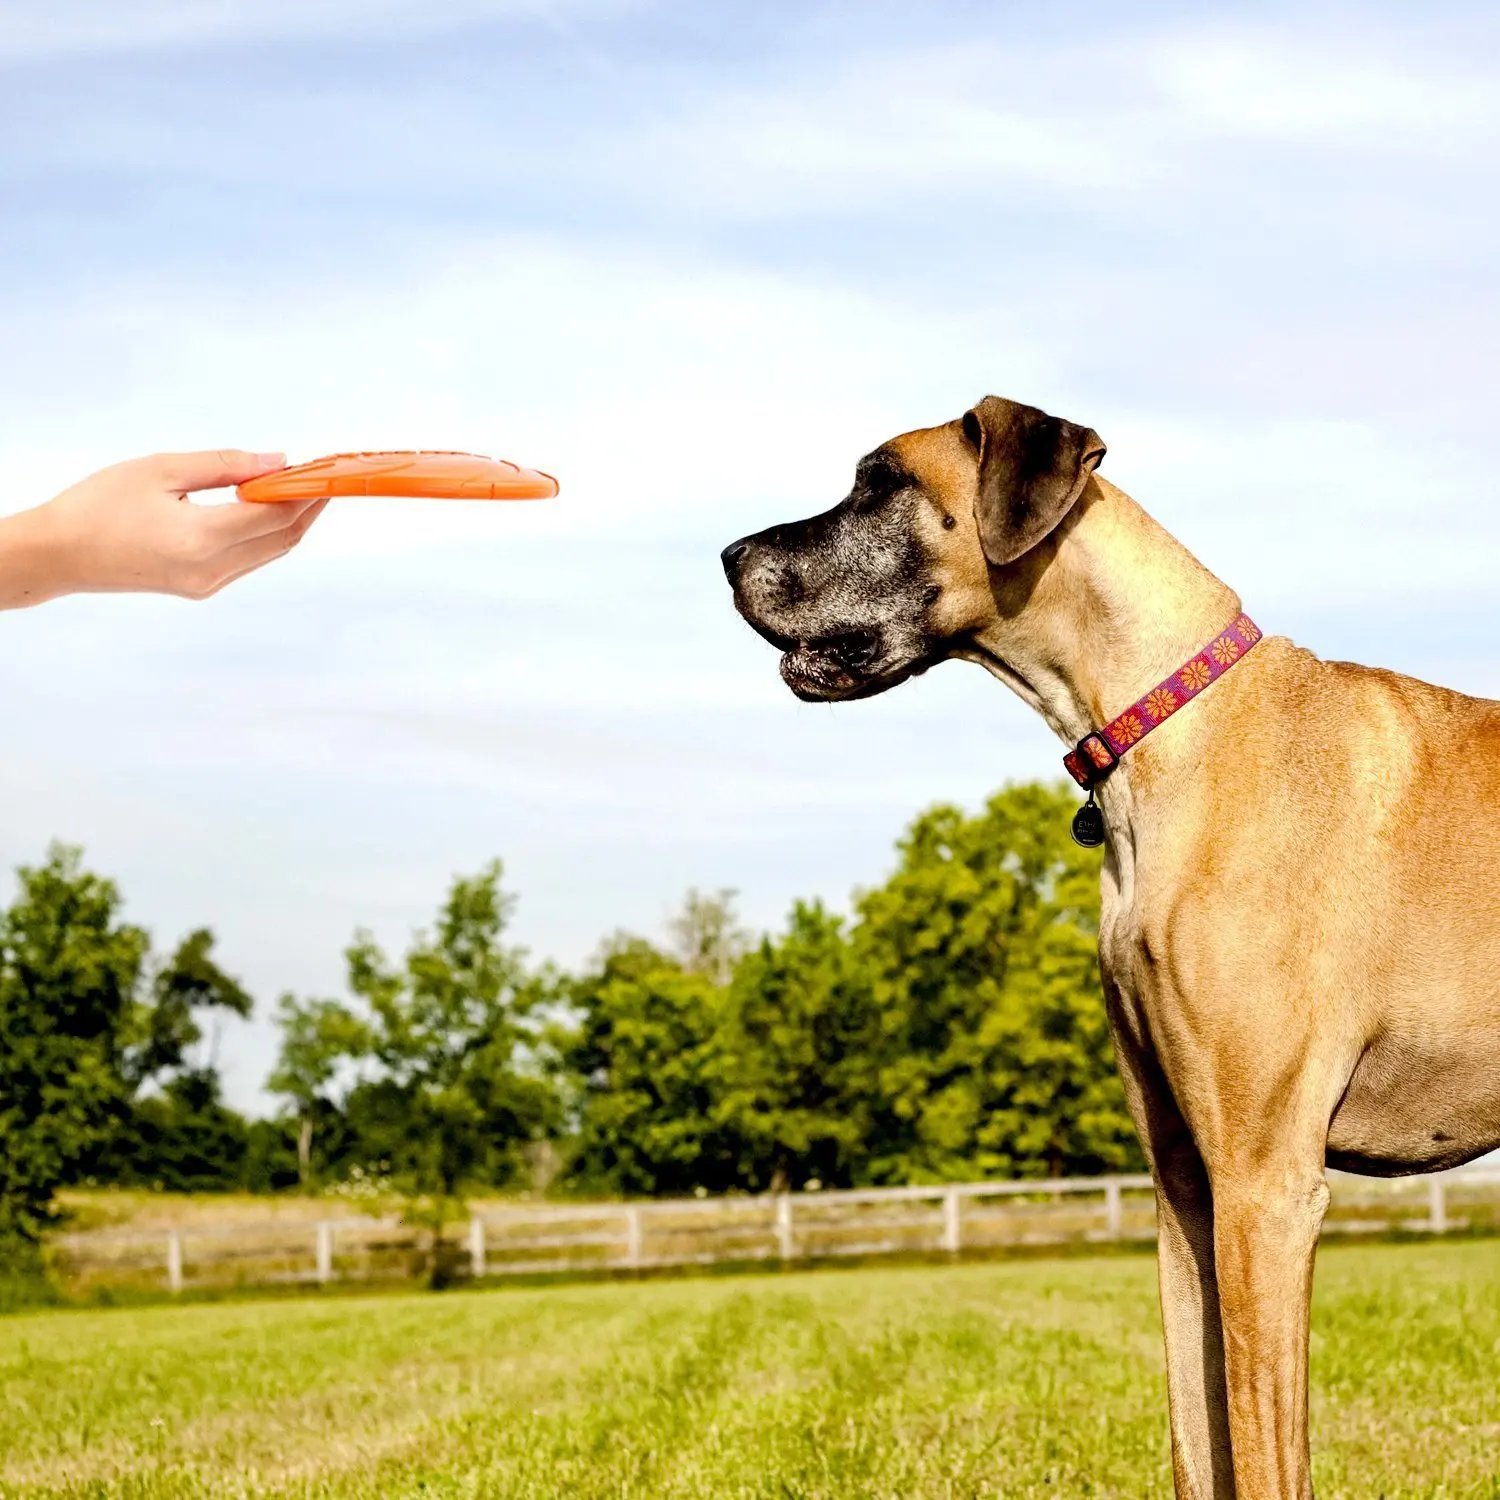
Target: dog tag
[(1088, 824)]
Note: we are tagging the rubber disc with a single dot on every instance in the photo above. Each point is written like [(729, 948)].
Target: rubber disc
[(424, 475)]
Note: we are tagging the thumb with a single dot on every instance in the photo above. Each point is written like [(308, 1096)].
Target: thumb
[(213, 468)]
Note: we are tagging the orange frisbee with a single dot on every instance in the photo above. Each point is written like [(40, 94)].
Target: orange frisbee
[(430, 476)]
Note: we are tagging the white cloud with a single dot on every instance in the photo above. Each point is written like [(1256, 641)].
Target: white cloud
[(897, 127), (1331, 90), (882, 128), (1118, 118)]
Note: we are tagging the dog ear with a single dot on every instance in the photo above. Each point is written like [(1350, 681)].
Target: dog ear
[(1032, 468)]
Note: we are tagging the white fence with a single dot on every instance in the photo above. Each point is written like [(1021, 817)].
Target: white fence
[(593, 1238)]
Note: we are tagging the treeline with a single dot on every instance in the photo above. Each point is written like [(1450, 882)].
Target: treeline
[(951, 1028)]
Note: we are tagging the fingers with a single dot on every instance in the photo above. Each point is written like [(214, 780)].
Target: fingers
[(213, 468), (236, 561), (229, 525)]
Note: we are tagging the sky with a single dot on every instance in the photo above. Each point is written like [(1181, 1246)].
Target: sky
[(694, 260)]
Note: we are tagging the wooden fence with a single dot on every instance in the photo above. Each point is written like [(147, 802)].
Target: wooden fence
[(599, 1238)]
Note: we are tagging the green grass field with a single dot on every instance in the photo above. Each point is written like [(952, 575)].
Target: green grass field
[(918, 1383)]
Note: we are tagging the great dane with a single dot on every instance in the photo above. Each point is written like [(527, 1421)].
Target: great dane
[(1300, 935)]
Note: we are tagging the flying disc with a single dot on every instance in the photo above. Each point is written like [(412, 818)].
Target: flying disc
[(427, 475)]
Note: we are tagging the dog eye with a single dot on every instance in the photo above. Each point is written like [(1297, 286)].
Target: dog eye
[(877, 480)]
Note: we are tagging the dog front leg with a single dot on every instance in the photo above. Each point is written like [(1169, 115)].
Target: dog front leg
[(1187, 1276), (1266, 1225), (1196, 1397)]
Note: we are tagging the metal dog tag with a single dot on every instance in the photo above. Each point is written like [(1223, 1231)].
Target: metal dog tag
[(1088, 825)]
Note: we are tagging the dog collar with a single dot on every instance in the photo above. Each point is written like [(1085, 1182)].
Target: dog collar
[(1099, 751)]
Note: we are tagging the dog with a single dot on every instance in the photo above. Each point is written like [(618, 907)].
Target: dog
[(1300, 931)]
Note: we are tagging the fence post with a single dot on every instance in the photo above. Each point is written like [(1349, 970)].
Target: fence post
[(633, 1235), (1437, 1205), (476, 1247), (1112, 1217), (952, 1223), (785, 1245), (174, 1261), (325, 1250)]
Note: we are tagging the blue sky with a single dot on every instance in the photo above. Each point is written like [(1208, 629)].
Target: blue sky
[(693, 259)]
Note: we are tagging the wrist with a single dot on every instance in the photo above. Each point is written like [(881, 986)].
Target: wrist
[(33, 558)]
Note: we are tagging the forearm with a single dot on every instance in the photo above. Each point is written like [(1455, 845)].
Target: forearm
[(33, 562)]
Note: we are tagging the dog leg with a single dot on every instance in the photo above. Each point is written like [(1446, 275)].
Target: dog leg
[(1266, 1223), (1188, 1280), (1201, 1467)]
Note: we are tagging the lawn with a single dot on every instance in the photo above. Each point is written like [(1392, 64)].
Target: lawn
[(1011, 1379)]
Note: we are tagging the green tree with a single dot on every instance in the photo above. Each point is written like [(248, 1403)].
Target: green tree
[(186, 986), (175, 1131), (270, 1164), (69, 1017), (182, 1138), (319, 1038), (794, 1060), (642, 1052), (454, 1089), (96, 1077), (981, 953)]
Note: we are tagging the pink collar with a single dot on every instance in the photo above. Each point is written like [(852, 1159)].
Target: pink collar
[(1099, 751)]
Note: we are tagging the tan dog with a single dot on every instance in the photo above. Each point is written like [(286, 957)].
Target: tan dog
[(1300, 942)]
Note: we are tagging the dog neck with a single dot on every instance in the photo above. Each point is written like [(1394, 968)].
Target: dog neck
[(1106, 607)]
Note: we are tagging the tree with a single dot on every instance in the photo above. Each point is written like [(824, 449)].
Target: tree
[(69, 975), (643, 1052), (954, 1028), (84, 1037), (981, 952), (794, 1057), (183, 1139), (706, 935), (453, 1088), (318, 1037), (270, 1163), (175, 1131), (189, 983)]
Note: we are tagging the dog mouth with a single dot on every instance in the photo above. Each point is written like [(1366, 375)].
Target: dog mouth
[(839, 668)]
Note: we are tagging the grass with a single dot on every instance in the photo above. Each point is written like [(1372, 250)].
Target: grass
[(1013, 1379)]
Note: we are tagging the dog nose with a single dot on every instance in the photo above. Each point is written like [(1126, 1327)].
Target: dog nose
[(732, 556)]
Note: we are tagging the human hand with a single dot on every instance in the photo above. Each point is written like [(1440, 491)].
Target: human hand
[(131, 529)]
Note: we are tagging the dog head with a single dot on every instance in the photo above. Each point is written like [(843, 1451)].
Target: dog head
[(901, 573)]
